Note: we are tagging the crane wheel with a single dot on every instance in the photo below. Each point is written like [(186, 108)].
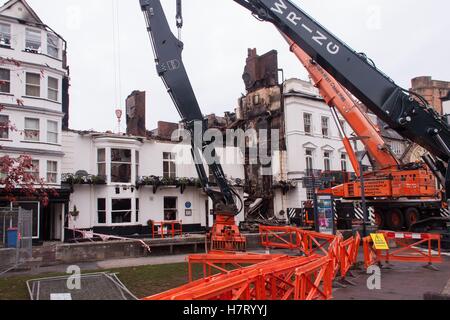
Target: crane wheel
[(379, 218), (412, 215), (395, 219)]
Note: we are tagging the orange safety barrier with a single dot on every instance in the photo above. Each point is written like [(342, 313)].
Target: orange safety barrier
[(344, 254), (315, 280), (242, 276), (349, 254), (308, 242), (407, 248), (282, 278), (225, 263), (167, 229)]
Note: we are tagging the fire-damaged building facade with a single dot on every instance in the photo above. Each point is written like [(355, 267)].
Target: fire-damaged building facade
[(308, 140)]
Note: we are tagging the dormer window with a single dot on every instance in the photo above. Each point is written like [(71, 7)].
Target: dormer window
[(33, 40), (5, 35), (52, 45)]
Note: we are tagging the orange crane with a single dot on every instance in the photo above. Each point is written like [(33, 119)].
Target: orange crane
[(393, 185), (337, 97)]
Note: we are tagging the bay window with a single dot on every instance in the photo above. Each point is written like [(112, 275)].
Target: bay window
[(120, 166), (52, 132), (101, 162), (53, 89), (32, 130), (34, 170), (4, 127), (52, 171), (53, 45), (5, 35), (33, 40), (5, 80), (33, 85)]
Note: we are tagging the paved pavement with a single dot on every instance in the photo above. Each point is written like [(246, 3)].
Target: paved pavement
[(105, 265), (405, 281), (402, 282)]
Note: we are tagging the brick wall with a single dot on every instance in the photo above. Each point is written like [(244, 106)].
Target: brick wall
[(432, 90)]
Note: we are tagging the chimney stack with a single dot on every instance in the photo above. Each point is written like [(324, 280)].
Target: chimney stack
[(135, 104), (260, 71)]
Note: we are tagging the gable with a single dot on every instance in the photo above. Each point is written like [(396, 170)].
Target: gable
[(310, 145), (21, 10), (328, 148)]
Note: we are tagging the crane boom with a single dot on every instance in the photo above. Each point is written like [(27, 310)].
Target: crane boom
[(408, 115), (336, 96), (167, 50), (170, 67)]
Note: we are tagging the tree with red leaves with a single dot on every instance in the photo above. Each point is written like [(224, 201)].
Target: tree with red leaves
[(17, 179)]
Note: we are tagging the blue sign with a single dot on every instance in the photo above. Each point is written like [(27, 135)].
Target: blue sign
[(188, 205)]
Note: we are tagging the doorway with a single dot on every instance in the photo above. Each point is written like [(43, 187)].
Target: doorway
[(53, 222)]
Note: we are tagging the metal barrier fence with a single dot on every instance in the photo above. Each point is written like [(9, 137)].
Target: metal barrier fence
[(408, 247), (93, 286), (245, 276), (16, 239)]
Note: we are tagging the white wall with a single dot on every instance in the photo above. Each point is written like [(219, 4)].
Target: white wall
[(17, 106), (302, 97), (81, 154), (446, 107)]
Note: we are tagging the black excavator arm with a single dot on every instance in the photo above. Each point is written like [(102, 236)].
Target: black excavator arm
[(167, 51), (403, 111)]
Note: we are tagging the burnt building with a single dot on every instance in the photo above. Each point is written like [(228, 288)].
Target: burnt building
[(432, 90), (135, 104), (307, 139)]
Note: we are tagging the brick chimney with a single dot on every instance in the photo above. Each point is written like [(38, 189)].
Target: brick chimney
[(260, 71), (135, 104), (432, 90), (166, 129)]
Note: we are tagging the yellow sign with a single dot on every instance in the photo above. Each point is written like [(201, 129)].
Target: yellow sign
[(379, 241)]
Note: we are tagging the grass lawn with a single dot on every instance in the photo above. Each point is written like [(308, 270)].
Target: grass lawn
[(141, 281)]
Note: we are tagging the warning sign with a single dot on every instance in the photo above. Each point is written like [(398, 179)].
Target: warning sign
[(379, 241)]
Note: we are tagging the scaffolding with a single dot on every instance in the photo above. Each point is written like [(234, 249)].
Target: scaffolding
[(16, 238)]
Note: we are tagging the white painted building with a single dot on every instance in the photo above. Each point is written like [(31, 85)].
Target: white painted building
[(312, 143), (34, 95), (123, 200), (446, 105)]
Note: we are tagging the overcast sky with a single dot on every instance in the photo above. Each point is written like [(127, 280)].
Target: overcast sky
[(406, 38)]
